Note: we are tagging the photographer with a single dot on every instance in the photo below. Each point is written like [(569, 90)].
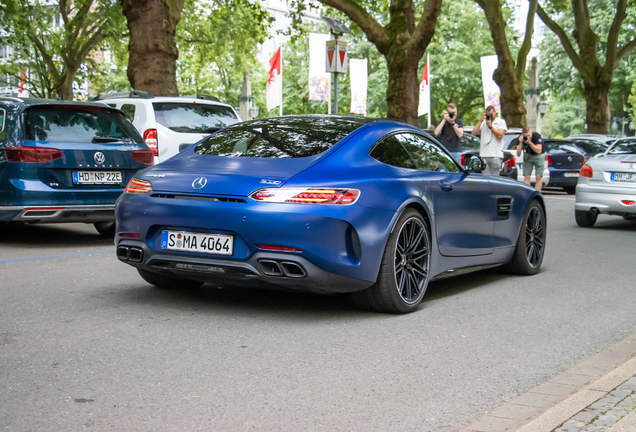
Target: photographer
[(491, 131), (534, 156), (450, 130)]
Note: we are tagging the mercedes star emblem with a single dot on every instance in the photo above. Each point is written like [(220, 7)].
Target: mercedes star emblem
[(99, 158), (199, 182)]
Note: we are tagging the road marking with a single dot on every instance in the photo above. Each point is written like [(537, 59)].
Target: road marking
[(57, 256)]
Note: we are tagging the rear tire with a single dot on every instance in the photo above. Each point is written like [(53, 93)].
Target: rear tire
[(585, 219), (404, 272), (530, 247), (105, 229), (166, 282)]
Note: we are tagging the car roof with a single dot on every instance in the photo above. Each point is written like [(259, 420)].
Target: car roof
[(28, 102)]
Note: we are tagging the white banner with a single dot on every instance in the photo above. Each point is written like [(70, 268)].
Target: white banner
[(358, 78), (492, 93), (424, 106), (318, 78)]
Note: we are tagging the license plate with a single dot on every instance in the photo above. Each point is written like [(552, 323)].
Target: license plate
[(626, 177), (570, 174), (216, 244), (96, 177)]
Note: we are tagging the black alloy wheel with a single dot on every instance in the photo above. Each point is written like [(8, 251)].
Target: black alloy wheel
[(535, 235), (404, 272), (411, 260), (530, 247)]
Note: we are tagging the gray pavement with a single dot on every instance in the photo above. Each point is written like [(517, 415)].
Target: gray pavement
[(597, 394)]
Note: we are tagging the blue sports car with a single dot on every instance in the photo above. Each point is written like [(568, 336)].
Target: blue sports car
[(375, 208)]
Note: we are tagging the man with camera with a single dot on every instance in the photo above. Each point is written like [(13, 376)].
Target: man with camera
[(450, 130), (534, 156), (491, 130)]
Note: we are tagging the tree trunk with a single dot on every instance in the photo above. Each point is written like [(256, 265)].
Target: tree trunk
[(512, 100), (402, 93), (153, 52), (597, 108)]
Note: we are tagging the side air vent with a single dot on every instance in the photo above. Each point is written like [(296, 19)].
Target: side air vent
[(503, 206), (199, 198)]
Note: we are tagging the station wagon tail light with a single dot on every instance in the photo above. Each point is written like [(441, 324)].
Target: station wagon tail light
[(511, 162), (143, 156), (150, 138), (138, 186), (335, 196), (31, 154), (586, 171)]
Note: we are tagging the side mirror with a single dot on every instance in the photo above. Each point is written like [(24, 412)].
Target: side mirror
[(476, 164)]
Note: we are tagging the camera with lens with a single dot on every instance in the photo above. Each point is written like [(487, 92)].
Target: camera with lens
[(488, 116), (525, 143), (451, 114)]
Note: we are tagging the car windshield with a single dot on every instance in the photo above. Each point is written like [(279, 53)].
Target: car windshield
[(623, 147), (590, 147), (67, 123), (190, 117), (282, 137)]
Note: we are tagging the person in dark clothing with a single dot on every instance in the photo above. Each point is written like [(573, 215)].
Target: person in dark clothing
[(531, 144), (450, 130)]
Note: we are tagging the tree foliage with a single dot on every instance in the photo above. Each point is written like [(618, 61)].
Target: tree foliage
[(53, 40), (217, 42)]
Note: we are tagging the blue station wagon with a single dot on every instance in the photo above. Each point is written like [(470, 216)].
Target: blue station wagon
[(64, 161)]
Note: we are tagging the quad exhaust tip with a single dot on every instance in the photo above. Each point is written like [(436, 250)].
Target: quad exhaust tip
[(288, 269), (131, 254)]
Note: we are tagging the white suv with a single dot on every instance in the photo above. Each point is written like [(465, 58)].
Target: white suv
[(171, 124)]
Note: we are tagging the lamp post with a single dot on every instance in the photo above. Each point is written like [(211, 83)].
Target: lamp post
[(543, 107), (254, 112), (623, 121)]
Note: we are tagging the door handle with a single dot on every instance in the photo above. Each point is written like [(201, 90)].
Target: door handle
[(446, 186)]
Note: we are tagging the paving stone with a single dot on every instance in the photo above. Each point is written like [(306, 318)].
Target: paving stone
[(621, 393), (630, 383), (586, 416), (571, 426)]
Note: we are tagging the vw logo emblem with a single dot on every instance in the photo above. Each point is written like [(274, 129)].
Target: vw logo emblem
[(199, 182), (569, 158), (99, 158)]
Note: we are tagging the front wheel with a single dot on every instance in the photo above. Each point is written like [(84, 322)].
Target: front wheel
[(528, 254), (404, 272), (585, 219)]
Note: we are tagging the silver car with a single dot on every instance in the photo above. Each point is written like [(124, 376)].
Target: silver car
[(607, 184)]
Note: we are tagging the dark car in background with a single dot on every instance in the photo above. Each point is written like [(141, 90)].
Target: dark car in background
[(587, 147), (564, 164), (65, 161)]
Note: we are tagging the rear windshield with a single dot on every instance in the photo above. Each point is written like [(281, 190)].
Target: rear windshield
[(282, 137), (78, 124), (193, 117), (624, 147)]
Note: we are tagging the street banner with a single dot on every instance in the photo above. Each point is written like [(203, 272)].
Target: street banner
[(424, 106), (274, 88), (358, 79), (318, 78), (492, 93)]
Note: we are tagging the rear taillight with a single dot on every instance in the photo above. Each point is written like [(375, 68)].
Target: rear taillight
[(511, 162), (138, 186), (463, 159), (143, 156), (586, 171), (150, 137), (307, 195), (549, 159), (278, 248), (31, 154)]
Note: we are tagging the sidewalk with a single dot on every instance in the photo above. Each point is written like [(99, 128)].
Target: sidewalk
[(597, 394)]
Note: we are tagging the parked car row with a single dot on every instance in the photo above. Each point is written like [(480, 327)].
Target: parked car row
[(64, 161)]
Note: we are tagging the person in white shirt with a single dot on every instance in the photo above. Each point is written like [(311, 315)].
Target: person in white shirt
[(491, 130)]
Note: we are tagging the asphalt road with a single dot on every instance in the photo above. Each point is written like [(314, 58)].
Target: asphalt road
[(87, 344)]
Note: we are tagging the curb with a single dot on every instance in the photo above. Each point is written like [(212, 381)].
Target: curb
[(547, 406)]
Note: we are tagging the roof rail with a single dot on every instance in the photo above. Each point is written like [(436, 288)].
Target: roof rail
[(204, 97), (125, 94)]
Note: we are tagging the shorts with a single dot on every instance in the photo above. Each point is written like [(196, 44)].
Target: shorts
[(533, 161)]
